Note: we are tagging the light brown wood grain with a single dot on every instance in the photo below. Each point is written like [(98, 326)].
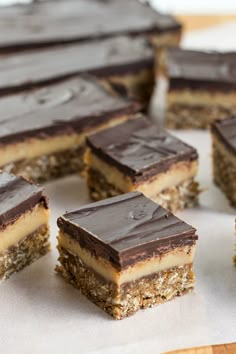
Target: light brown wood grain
[(195, 22), (212, 349)]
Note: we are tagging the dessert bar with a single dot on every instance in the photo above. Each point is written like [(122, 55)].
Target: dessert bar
[(42, 131), (137, 155), (43, 23), (123, 61), (126, 253), (24, 224), (202, 87), (224, 156)]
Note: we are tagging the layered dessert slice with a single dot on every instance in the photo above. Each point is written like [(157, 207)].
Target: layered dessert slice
[(42, 131), (41, 23), (138, 155), (224, 156), (202, 87), (24, 224), (123, 61), (223, 134), (126, 253)]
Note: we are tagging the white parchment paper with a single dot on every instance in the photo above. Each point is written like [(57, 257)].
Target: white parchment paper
[(40, 314)]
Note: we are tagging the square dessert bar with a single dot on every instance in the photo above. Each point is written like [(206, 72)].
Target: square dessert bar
[(42, 131), (224, 156), (24, 224), (123, 61), (202, 87), (78, 20), (223, 134), (137, 155), (126, 253)]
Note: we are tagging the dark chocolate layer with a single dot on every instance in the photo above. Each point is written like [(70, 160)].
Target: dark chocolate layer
[(71, 106), (44, 22), (201, 69), (140, 149), (126, 229), (115, 56), (16, 197), (225, 130)]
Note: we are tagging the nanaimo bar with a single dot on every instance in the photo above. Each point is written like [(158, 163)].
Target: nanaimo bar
[(137, 155), (41, 23), (123, 61), (42, 131), (126, 253), (202, 87), (24, 224), (224, 156), (223, 133)]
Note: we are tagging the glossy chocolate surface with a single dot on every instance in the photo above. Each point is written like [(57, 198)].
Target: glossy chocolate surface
[(73, 105), (126, 229), (140, 149), (44, 23), (201, 69), (225, 129), (16, 197), (114, 56)]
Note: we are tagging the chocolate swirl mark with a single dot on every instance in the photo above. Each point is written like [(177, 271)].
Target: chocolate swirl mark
[(147, 228), (152, 143), (45, 98), (49, 98), (94, 207), (122, 46)]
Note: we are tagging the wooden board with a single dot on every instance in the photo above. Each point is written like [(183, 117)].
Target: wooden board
[(212, 349), (195, 22)]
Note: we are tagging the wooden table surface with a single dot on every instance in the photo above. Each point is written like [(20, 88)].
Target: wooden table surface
[(213, 349), (195, 22)]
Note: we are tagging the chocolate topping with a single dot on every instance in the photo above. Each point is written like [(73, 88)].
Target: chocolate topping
[(199, 69), (126, 229), (70, 106), (120, 55), (225, 129), (16, 197), (140, 149), (44, 22)]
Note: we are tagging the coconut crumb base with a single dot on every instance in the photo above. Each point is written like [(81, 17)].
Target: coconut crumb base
[(48, 167), (31, 248), (123, 301), (184, 195), (183, 116), (224, 170)]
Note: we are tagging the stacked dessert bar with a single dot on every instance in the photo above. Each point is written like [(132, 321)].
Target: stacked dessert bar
[(126, 253), (42, 24), (224, 156), (43, 136), (202, 86), (137, 155), (24, 224)]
